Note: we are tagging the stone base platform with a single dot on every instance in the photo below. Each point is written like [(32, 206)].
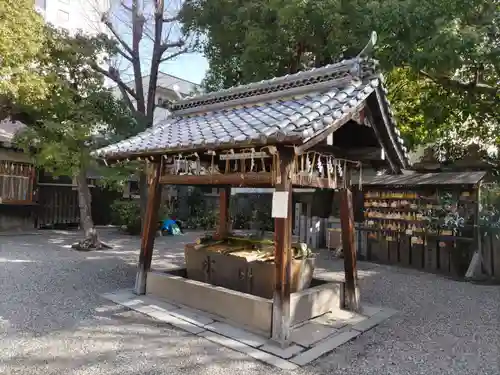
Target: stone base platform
[(244, 310), (310, 339)]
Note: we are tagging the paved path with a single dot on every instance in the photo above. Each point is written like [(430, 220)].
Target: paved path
[(52, 320)]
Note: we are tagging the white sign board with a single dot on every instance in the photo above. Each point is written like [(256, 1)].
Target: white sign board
[(280, 204)]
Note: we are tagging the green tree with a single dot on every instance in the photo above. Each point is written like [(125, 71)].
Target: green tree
[(20, 45), (444, 55), (76, 116)]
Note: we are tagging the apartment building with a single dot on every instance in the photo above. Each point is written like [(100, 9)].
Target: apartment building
[(74, 15)]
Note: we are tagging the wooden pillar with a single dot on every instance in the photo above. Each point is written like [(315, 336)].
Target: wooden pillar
[(224, 197), (351, 295), (283, 256), (476, 265), (150, 226)]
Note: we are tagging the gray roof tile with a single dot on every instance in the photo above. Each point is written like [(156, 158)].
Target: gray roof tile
[(214, 119)]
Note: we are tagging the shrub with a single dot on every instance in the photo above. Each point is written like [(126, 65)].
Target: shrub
[(127, 214), (252, 211), (201, 214), (206, 219)]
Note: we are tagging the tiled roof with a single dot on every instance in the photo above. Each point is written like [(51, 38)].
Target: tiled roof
[(8, 129), (294, 107), (325, 77)]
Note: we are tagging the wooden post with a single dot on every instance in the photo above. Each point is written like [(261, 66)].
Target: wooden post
[(283, 256), (477, 266), (351, 295), (150, 224), (32, 182), (224, 197)]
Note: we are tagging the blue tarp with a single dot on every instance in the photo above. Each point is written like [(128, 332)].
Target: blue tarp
[(170, 226)]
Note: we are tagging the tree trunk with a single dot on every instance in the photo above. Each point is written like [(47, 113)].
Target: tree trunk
[(91, 238)]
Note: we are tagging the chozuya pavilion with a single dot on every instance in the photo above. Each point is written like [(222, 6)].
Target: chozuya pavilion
[(308, 129)]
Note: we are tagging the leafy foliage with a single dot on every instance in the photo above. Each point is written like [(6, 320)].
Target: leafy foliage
[(442, 57), (489, 215), (251, 211), (127, 214), (201, 216), (21, 43), (78, 113)]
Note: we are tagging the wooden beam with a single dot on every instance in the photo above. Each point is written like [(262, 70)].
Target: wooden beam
[(18, 203), (249, 179), (224, 197), (150, 224), (283, 256), (355, 153), (313, 182), (349, 249)]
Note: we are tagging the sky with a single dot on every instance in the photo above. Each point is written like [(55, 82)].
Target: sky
[(191, 67)]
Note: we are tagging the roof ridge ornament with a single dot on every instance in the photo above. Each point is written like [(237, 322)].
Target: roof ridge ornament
[(367, 51), (363, 56)]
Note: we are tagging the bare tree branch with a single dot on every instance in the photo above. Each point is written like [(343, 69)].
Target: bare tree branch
[(157, 26), (124, 55), (115, 77), (172, 19), (158, 50), (126, 99), (111, 28), (138, 21), (165, 46), (174, 55), (122, 3)]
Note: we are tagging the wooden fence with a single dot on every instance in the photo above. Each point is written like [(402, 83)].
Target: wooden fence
[(446, 256), (490, 254), (58, 205)]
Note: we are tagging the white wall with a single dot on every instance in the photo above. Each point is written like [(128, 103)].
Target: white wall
[(165, 92), (74, 15)]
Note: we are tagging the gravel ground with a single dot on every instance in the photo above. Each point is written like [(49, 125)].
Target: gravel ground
[(52, 320)]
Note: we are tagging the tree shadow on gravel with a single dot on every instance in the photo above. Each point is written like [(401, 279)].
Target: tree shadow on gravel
[(57, 323), (119, 341), (46, 285)]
